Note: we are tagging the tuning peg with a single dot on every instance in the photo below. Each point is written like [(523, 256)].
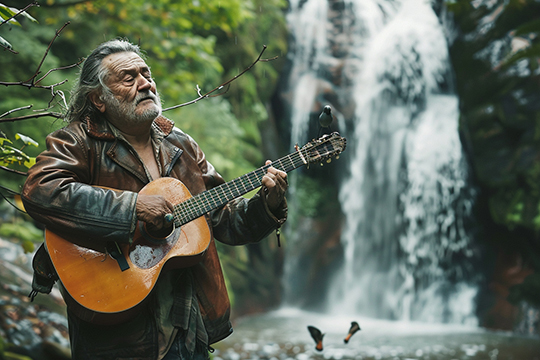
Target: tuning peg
[(322, 164), (329, 160), (337, 157)]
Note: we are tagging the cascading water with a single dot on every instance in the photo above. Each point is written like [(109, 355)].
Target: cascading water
[(404, 194)]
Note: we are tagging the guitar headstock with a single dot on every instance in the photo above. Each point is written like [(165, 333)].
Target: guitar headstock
[(324, 148)]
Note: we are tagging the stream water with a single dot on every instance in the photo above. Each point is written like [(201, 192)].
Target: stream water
[(283, 335)]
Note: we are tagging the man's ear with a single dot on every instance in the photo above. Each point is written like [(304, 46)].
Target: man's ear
[(95, 98)]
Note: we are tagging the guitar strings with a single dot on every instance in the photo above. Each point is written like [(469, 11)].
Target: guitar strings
[(202, 203)]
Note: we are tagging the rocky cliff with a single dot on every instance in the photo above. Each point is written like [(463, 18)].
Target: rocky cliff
[(495, 56)]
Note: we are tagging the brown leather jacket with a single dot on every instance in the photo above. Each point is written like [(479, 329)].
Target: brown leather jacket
[(58, 193)]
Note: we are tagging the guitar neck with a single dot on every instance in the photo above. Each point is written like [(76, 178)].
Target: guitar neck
[(209, 200)]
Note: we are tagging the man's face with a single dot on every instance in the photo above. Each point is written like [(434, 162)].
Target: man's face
[(133, 98)]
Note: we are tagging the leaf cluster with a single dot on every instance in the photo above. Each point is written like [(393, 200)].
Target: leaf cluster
[(10, 155), (8, 16)]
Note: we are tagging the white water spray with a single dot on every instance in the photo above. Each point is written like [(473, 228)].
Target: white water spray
[(405, 195)]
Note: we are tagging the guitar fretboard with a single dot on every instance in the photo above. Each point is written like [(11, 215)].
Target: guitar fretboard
[(206, 201)]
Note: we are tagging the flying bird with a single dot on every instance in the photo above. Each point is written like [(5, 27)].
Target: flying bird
[(317, 336), (354, 328), (326, 117)]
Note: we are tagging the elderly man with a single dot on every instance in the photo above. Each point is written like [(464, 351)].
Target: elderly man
[(86, 184)]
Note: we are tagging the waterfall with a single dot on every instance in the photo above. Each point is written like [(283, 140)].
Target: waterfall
[(383, 66)]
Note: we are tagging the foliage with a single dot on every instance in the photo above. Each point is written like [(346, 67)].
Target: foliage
[(178, 36), (24, 231), (9, 14), (212, 123), (10, 155), (313, 194)]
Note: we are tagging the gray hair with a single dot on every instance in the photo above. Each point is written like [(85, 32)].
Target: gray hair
[(92, 78)]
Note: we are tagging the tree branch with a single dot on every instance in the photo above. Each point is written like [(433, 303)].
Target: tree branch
[(30, 85), (45, 55), (226, 83), (10, 50), (17, 109), (13, 171), (34, 116), (59, 68)]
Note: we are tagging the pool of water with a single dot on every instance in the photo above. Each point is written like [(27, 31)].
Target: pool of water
[(283, 335)]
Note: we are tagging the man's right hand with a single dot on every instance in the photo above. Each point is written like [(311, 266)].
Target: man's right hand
[(152, 210)]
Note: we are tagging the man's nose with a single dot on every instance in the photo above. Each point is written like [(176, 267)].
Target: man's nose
[(143, 83)]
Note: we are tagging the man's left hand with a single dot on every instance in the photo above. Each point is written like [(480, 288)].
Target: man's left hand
[(275, 184)]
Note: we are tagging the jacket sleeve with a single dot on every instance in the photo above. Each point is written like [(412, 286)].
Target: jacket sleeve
[(240, 221), (56, 194)]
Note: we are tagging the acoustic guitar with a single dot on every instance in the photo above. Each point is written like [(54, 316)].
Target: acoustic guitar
[(98, 284)]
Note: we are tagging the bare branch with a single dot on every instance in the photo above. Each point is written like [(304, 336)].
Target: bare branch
[(33, 116), (35, 3), (10, 50), (59, 68), (46, 53), (17, 109), (13, 171), (30, 85), (226, 83)]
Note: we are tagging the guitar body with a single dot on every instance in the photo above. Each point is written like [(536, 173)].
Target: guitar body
[(93, 283), (107, 285)]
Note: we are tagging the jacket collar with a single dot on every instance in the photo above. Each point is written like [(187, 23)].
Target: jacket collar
[(98, 127)]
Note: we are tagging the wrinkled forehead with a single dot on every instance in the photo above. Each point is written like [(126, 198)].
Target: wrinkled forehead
[(124, 62)]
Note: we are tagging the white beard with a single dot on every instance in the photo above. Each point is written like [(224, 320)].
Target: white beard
[(126, 112)]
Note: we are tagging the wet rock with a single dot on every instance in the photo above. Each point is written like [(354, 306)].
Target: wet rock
[(37, 329)]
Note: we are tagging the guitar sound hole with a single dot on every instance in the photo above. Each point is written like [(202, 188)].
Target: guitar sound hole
[(157, 236)]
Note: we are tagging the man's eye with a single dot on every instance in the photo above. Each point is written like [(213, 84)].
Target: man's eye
[(128, 79)]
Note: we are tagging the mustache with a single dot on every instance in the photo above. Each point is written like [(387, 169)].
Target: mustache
[(147, 95)]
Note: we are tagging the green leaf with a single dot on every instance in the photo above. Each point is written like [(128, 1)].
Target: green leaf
[(3, 140), (7, 12), (29, 17), (5, 43), (30, 162), (26, 139)]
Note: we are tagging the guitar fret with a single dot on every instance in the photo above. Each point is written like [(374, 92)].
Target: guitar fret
[(208, 200), (250, 183), (290, 160)]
